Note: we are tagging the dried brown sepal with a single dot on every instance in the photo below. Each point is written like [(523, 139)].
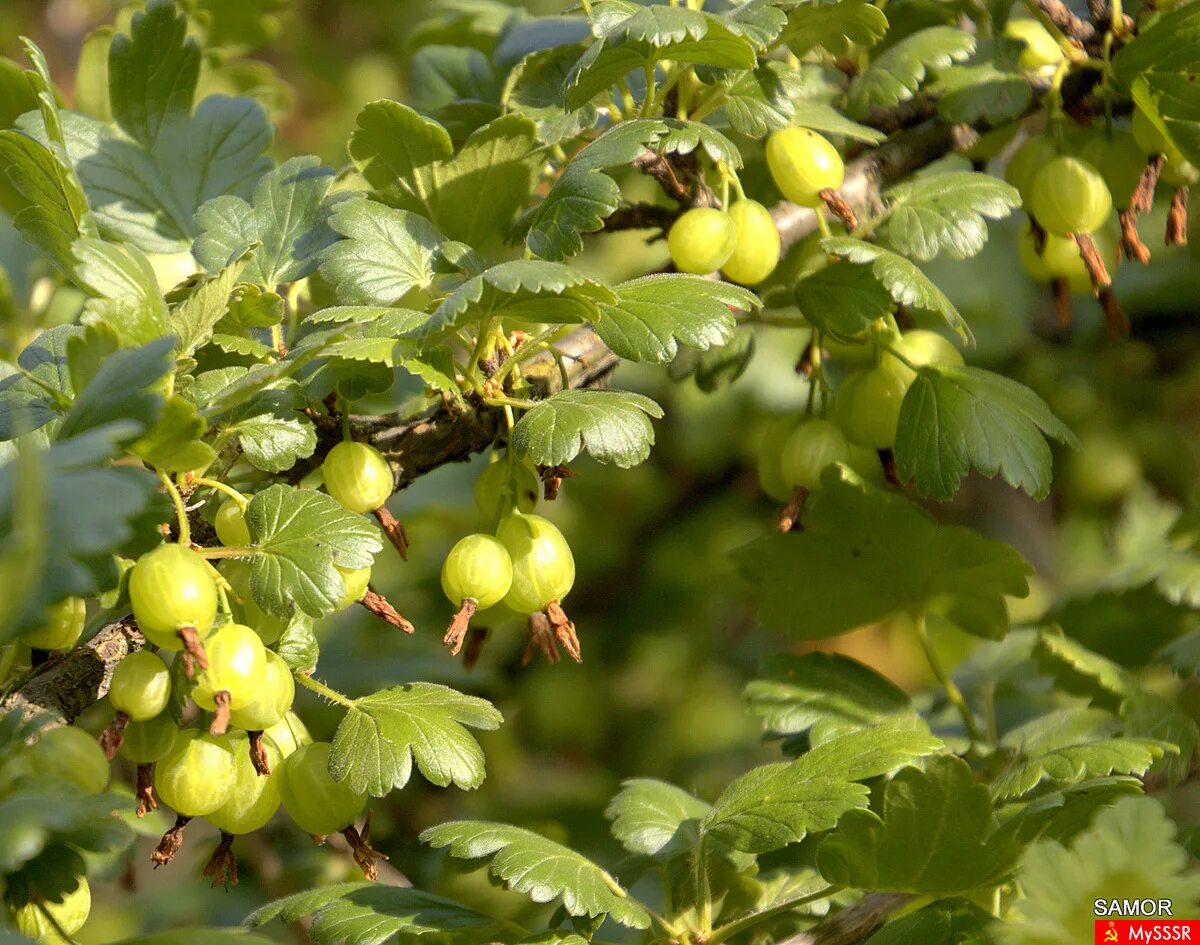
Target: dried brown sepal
[(1038, 232), (194, 657), (222, 865), (474, 647), (552, 479), (789, 518), (113, 735), (564, 630), (258, 754), (887, 459), (541, 637), (1116, 322), (1062, 302), (393, 530), (1177, 218), (170, 843), (379, 605), (220, 722), (1131, 241), (1093, 262), (144, 790), (1143, 194), (360, 845), (460, 623), (838, 207)]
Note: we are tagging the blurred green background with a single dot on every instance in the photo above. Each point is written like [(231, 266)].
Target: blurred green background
[(668, 632)]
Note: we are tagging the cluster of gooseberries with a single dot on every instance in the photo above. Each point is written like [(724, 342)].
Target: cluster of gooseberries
[(524, 568), (795, 450), (1070, 181), (743, 241)]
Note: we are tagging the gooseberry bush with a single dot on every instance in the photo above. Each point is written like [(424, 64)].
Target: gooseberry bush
[(197, 474)]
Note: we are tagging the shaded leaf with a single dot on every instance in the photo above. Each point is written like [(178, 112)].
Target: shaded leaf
[(613, 426)]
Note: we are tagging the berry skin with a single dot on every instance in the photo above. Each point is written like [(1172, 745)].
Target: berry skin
[(149, 741), (358, 477), (141, 686), (921, 347), (236, 664), (355, 581), (231, 526), (496, 488), (868, 407), (770, 448), (477, 568), (319, 805), (70, 914), (701, 240), (803, 164), (1060, 259), (1119, 160), (63, 627), (865, 461), (288, 734), (1040, 50), (1033, 154), (272, 699), (1069, 196), (254, 798), (71, 754), (757, 252), (542, 563), (196, 776), (268, 628), (171, 588), (813, 445)]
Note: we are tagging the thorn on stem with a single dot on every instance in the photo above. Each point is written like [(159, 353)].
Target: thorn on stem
[(170, 843), (113, 735), (222, 865), (379, 605), (394, 530), (456, 633)]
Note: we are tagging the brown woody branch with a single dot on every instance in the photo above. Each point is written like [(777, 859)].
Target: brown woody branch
[(852, 924), (1073, 27)]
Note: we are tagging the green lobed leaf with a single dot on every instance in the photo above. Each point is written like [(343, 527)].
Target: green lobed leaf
[(946, 213), (946, 922), (197, 936), (288, 216), (842, 300), (29, 403), (906, 283), (119, 391), (534, 89), (381, 734), (288, 568), (777, 804), (584, 195), (991, 87), (540, 868), (655, 818), (825, 118), (174, 444), (385, 254), (365, 913), (834, 26), (866, 554), (124, 290), (935, 834), (684, 137), (896, 74), (194, 318), (955, 418), (613, 426), (762, 100), (654, 314)]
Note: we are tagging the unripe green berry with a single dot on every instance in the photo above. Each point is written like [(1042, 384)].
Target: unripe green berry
[(543, 568), (1033, 154), (64, 626), (171, 588), (141, 686), (477, 568), (1041, 49), (803, 164), (812, 446), (701, 240), (70, 914), (758, 245), (1069, 196), (512, 486), (920, 347), (868, 407), (354, 582), (358, 476), (147, 742), (273, 697), (236, 664), (72, 754), (231, 526), (196, 776), (318, 804)]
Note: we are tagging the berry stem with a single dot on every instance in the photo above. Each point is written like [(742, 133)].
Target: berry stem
[(237, 497), (181, 517), (258, 754), (322, 690), (227, 552), (953, 693)]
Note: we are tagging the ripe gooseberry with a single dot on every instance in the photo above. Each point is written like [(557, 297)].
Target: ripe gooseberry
[(812, 446), (72, 754), (196, 776), (543, 568), (254, 798), (868, 407), (141, 686), (701, 240), (231, 526), (63, 627), (1069, 196), (171, 589), (502, 487), (757, 251), (236, 664), (272, 699), (319, 805), (147, 742), (358, 476), (70, 914), (1041, 49), (920, 347), (803, 164), (354, 583)]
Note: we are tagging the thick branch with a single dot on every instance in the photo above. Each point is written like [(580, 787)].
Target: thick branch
[(66, 687), (853, 924), (1072, 26)]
